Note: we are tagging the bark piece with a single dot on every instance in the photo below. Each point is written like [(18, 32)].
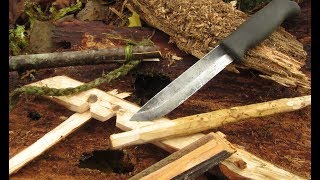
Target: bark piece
[(93, 11), (198, 26), (40, 37)]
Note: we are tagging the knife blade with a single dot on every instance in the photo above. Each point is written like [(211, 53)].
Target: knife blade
[(250, 33)]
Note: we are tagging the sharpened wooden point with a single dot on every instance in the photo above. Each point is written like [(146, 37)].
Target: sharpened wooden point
[(205, 121)]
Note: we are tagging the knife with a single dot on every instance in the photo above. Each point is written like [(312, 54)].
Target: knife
[(250, 33)]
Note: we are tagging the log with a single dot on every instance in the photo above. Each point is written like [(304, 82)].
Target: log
[(95, 34), (191, 161), (257, 168), (76, 58), (198, 26), (206, 121)]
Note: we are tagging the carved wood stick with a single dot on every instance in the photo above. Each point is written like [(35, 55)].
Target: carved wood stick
[(76, 58), (205, 121)]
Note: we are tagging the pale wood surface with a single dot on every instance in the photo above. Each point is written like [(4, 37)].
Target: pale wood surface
[(205, 121), (79, 102), (186, 162), (174, 156), (258, 170)]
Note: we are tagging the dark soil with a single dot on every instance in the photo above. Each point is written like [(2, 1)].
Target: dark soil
[(283, 139)]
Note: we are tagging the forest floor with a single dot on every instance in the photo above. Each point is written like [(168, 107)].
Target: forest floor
[(282, 139)]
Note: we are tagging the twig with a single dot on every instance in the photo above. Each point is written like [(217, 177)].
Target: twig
[(75, 58)]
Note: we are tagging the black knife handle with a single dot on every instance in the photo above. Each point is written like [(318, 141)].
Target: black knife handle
[(258, 27)]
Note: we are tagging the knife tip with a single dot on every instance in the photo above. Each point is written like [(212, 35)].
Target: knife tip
[(136, 117), (141, 116)]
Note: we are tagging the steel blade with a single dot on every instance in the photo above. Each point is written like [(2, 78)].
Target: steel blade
[(184, 86)]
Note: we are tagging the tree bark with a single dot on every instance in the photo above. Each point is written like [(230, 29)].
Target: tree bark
[(198, 26)]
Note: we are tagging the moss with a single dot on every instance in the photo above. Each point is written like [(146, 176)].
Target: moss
[(17, 40), (58, 14), (34, 11)]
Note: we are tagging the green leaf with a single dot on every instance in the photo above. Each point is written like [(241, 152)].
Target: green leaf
[(134, 20)]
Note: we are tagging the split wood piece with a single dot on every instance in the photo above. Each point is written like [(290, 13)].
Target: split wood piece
[(253, 167), (205, 121), (77, 58), (48, 140), (191, 161), (264, 168), (198, 26), (81, 102)]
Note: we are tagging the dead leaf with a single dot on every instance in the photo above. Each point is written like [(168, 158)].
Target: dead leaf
[(15, 9)]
